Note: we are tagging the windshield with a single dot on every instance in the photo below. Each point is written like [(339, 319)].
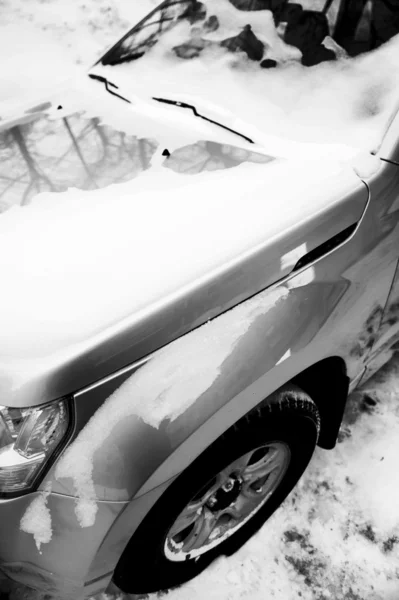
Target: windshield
[(145, 34), (290, 69), (353, 32)]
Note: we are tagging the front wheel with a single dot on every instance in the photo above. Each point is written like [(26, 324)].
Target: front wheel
[(224, 496)]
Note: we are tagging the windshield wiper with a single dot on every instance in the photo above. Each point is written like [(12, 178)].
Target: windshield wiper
[(197, 114), (108, 84)]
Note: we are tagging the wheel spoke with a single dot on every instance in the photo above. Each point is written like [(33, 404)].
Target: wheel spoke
[(208, 490), (274, 459), (190, 515), (238, 466), (259, 478), (201, 531), (243, 506)]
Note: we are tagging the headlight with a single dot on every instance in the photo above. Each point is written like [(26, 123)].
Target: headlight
[(29, 437)]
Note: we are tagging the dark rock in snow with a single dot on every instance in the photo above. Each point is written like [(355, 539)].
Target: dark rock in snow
[(388, 545), (196, 12), (306, 30), (268, 63), (247, 42), (193, 47), (368, 533), (211, 24), (291, 13)]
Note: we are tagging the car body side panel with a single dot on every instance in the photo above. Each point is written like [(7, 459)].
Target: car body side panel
[(389, 148), (388, 334), (389, 330), (268, 339)]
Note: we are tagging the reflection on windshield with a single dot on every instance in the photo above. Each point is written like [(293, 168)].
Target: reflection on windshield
[(52, 155)]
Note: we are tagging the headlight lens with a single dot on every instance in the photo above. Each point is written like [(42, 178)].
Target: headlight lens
[(28, 438)]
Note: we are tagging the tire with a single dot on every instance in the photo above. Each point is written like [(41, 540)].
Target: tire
[(287, 430)]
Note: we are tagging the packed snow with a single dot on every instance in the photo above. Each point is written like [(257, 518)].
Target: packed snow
[(348, 101), (37, 518)]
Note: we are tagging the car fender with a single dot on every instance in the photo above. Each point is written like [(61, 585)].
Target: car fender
[(138, 455)]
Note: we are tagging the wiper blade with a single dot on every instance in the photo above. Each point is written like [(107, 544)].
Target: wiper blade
[(108, 85), (197, 114)]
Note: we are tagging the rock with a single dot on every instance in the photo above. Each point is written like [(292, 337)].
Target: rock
[(196, 12), (306, 30), (268, 63), (247, 42), (211, 24), (191, 49)]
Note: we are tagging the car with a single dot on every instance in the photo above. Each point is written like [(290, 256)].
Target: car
[(187, 300)]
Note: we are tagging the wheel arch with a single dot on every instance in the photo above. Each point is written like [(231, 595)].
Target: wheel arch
[(330, 399)]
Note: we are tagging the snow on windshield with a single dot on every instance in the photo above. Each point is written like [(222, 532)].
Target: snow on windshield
[(226, 56)]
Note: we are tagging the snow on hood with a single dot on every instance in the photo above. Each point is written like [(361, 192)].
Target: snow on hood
[(76, 262), (24, 82)]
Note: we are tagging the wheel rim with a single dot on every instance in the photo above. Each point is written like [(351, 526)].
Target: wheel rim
[(227, 502)]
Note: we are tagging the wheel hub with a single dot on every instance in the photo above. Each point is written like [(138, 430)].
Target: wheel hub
[(227, 502), (226, 495)]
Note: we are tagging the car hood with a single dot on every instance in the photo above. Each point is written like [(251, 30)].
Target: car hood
[(100, 236)]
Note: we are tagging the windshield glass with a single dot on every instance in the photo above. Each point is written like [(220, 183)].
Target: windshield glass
[(303, 25), (297, 70), (145, 34)]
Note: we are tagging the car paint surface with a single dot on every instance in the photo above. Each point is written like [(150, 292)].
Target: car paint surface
[(339, 305)]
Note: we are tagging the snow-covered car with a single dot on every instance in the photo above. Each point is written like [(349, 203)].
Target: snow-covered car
[(198, 261)]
